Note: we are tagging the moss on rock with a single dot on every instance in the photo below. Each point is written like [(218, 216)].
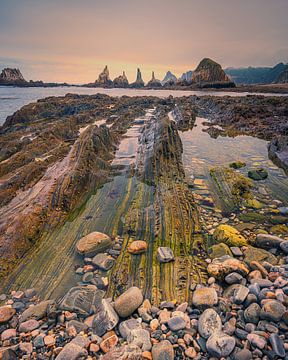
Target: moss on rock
[(229, 235), (219, 250)]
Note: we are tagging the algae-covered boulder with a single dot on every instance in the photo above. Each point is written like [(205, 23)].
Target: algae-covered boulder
[(229, 235), (93, 243), (258, 174), (255, 254), (220, 267), (237, 164), (219, 250)]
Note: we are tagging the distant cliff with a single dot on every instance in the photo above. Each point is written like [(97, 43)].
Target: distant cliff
[(210, 74), (11, 77)]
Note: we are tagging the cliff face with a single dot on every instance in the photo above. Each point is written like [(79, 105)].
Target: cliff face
[(11, 76), (139, 81), (210, 74), (103, 78), (154, 82), (283, 77), (121, 81)]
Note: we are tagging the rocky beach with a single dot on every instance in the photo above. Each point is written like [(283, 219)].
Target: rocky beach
[(111, 249)]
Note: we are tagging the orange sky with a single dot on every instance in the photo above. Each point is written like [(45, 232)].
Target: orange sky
[(72, 40)]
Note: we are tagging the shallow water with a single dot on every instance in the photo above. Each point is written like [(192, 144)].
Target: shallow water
[(201, 152), (13, 98)]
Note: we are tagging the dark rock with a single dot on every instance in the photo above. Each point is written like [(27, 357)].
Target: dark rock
[(103, 261), (176, 323), (105, 318), (272, 310), (277, 345), (266, 241), (220, 345), (252, 313), (258, 174)]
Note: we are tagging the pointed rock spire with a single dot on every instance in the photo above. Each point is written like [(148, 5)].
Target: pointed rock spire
[(139, 81), (121, 81), (104, 79), (154, 82)]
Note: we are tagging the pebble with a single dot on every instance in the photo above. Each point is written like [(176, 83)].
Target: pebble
[(220, 345)]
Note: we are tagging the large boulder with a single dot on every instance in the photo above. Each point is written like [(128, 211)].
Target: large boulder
[(266, 241), (225, 265), (82, 300), (229, 235), (93, 244), (128, 302), (105, 318), (37, 311), (255, 254)]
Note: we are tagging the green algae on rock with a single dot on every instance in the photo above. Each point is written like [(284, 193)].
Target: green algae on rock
[(229, 235)]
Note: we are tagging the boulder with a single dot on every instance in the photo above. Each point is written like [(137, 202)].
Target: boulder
[(82, 300), (176, 323), (6, 314), (37, 311), (128, 302), (103, 261), (266, 241), (204, 297), (165, 254), (260, 255), (126, 326), (29, 325), (272, 310), (219, 250), (93, 244), (208, 323), (141, 338), (137, 247), (105, 318), (220, 345), (258, 174), (163, 351), (252, 313), (229, 235), (72, 352), (220, 267)]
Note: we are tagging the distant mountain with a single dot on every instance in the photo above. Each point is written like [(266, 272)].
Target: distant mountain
[(283, 77), (256, 75), (169, 79), (187, 76), (210, 74)]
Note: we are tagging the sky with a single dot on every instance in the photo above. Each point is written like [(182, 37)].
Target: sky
[(72, 40)]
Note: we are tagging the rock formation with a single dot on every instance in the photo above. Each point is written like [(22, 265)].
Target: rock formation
[(169, 79), (139, 81), (10, 76), (154, 82), (210, 74), (121, 81), (283, 77), (278, 151), (104, 79), (186, 78)]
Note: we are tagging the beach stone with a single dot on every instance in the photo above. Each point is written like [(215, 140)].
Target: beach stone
[(105, 318), (252, 313), (272, 310), (38, 342), (49, 340), (236, 251), (243, 354), (82, 300), (125, 352), (219, 250), (277, 344), (109, 343), (233, 278), (37, 311), (220, 345), (93, 243), (26, 347), (260, 255), (29, 325), (204, 297), (6, 314), (230, 236), (126, 326), (72, 352), (8, 334), (225, 265), (137, 247), (78, 325), (240, 294), (141, 338), (284, 246), (176, 323), (208, 323), (165, 254), (128, 302), (164, 316), (103, 261), (257, 340), (163, 351), (266, 241)]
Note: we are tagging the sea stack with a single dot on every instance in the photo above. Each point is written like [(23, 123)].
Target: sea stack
[(154, 83), (210, 74), (10, 76), (104, 79), (169, 79), (139, 83), (121, 81)]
